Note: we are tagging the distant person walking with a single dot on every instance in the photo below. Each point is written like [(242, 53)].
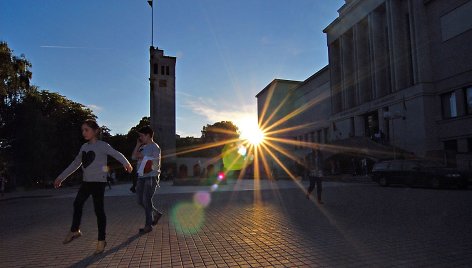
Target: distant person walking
[(364, 166), (93, 158), (109, 180), (148, 154), (315, 174)]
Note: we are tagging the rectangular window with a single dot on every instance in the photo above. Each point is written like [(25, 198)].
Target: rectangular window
[(449, 105), (162, 70), (318, 134), (468, 99), (155, 68), (167, 70), (325, 133), (312, 136)]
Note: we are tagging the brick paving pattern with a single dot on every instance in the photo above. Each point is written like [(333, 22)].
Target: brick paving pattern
[(360, 225)]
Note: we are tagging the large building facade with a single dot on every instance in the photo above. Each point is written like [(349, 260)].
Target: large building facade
[(403, 68), (162, 90), (400, 70)]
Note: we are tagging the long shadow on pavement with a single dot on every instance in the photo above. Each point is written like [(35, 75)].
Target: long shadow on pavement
[(94, 258)]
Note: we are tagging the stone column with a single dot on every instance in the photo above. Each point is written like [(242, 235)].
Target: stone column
[(335, 67), (421, 51), (380, 51), (348, 69), (398, 24), (363, 61)]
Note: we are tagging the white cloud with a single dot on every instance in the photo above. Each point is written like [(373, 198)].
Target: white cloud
[(94, 108), (215, 111)]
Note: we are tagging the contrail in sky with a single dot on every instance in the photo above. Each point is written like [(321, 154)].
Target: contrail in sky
[(67, 47)]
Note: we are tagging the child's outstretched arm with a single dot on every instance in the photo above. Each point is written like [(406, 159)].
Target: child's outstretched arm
[(119, 156), (69, 170)]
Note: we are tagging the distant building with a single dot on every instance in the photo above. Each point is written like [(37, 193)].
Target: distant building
[(162, 87), (400, 73), (273, 104)]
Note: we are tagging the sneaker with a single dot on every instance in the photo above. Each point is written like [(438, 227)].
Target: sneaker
[(71, 236), (156, 215), (145, 230), (133, 189), (101, 244)]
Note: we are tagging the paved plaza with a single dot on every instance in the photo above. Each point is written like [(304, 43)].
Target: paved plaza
[(247, 225)]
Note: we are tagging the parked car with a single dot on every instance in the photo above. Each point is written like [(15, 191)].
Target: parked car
[(417, 173)]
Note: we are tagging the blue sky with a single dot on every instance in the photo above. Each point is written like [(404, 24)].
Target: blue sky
[(97, 52)]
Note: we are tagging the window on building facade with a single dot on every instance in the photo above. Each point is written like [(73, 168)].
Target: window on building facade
[(325, 134), (167, 70), (162, 70), (312, 136), (306, 138), (318, 136), (155, 68), (468, 99), (449, 105)]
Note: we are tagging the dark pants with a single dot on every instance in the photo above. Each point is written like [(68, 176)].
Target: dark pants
[(97, 190), (319, 187), (146, 187)]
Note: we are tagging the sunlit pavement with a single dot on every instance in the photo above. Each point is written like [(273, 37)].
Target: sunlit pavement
[(359, 225)]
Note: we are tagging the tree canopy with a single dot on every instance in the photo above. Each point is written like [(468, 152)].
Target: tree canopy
[(39, 130)]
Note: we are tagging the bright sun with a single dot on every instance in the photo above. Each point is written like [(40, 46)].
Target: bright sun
[(251, 132)]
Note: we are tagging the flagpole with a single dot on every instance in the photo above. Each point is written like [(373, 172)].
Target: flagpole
[(152, 25)]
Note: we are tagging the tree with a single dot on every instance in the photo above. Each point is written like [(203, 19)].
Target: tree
[(15, 78), (219, 131), (47, 135)]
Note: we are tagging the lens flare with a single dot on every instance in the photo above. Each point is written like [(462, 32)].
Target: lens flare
[(250, 131), (187, 218), (202, 198), (242, 150)]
